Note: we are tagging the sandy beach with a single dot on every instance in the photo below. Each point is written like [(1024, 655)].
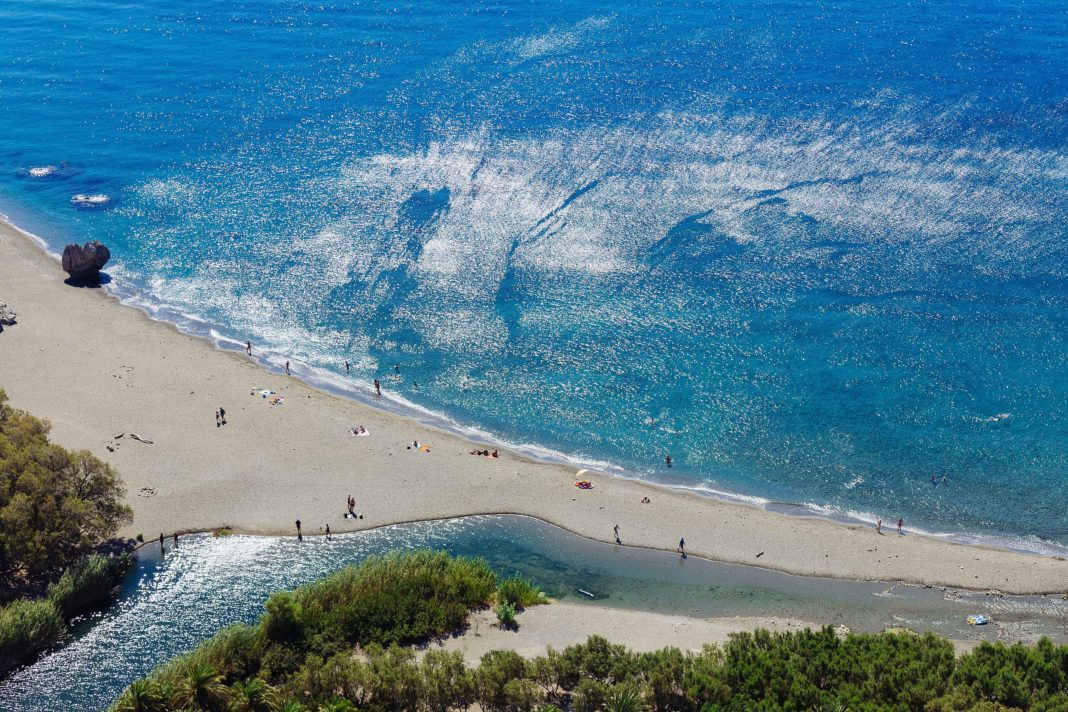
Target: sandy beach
[(560, 624), (98, 370)]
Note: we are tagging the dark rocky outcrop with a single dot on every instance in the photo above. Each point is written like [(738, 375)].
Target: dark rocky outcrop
[(7, 316), (83, 262)]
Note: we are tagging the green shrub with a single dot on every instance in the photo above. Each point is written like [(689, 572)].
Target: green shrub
[(506, 615), (395, 598), (498, 669), (623, 699), (281, 622), (88, 582), (446, 681), (520, 593), (27, 628)]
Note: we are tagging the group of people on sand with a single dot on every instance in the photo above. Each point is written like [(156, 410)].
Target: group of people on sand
[(900, 525), (484, 453), (359, 431), (350, 503)]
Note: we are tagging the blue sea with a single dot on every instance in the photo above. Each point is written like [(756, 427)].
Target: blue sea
[(816, 252)]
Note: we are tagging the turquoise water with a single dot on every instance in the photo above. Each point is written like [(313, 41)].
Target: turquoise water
[(169, 605), (814, 252)]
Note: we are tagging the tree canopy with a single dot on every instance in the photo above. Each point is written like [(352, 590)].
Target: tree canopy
[(55, 504)]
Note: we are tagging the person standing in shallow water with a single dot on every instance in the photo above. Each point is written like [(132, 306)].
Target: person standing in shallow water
[(287, 368), (900, 523), (248, 347), (378, 387), (300, 537), (347, 367)]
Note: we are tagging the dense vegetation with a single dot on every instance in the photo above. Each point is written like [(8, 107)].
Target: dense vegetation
[(56, 506), (29, 626), (335, 646)]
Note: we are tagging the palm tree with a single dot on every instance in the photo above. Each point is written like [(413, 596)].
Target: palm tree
[(202, 687), (252, 696), (338, 704), (141, 696), (289, 706), (622, 700)]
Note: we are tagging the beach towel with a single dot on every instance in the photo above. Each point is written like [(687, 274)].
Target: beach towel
[(277, 400), (425, 448)]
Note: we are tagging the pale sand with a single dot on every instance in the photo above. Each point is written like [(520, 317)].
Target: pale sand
[(97, 369), (559, 625)]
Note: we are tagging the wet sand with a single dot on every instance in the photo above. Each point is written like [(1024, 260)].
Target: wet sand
[(98, 369)]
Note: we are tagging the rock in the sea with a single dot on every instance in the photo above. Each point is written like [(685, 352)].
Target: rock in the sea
[(7, 316), (83, 262)]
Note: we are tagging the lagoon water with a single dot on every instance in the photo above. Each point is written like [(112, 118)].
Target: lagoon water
[(170, 604), (816, 252)]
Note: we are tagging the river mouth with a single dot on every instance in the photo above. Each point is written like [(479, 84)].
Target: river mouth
[(171, 603)]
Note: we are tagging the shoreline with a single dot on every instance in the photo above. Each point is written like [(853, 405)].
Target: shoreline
[(394, 404), (271, 464), (397, 405)]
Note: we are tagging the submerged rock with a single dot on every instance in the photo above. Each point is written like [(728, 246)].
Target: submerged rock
[(83, 262), (7, 316)]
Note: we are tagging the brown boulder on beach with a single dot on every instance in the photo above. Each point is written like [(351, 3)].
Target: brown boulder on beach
[(84, 262)]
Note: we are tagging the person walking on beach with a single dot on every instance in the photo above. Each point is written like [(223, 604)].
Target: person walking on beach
[(218, 422), (352, 506), (176, 540), (879, 526), (287, 368), (900, 523), (328, 532), (222, 415), (161, 542), (378, 388), (615, 530), (682, 547), (300, 537), (248, 347)]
